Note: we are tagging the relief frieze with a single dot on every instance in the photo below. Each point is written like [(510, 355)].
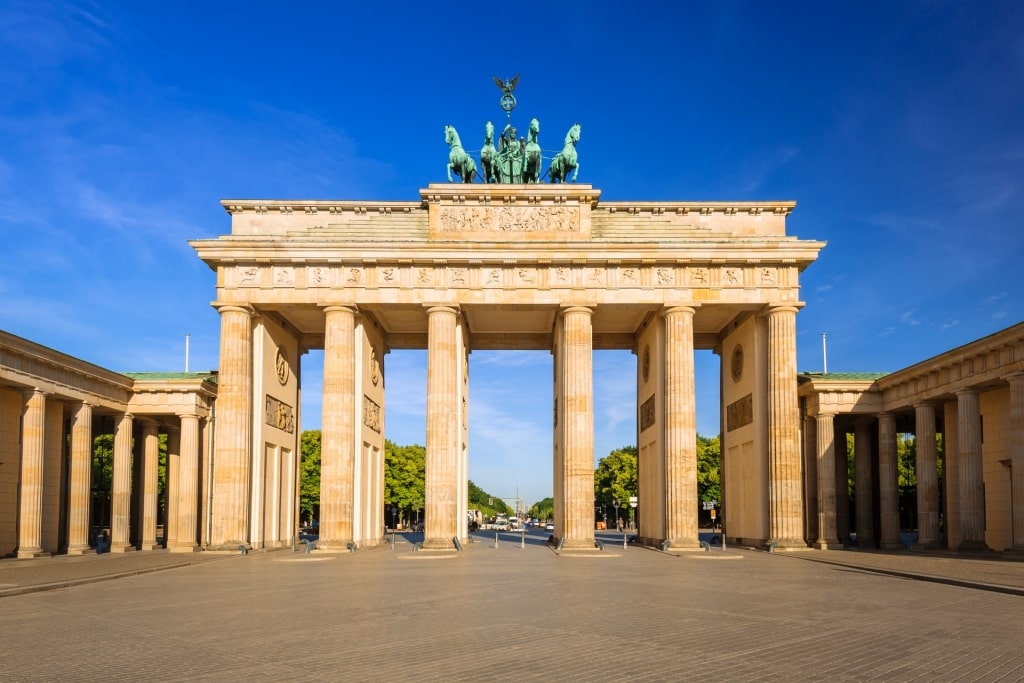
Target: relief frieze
[(509, 218), (280, 415), (372, 416), (647, 414), (739, 413)]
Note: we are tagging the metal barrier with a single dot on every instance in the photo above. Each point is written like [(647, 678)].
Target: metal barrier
[(706, 546), (245, 550), (310, 545), (770, 547), (457, 542), (665, 545)]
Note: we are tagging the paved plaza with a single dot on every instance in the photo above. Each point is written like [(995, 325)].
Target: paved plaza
[(513, 613)]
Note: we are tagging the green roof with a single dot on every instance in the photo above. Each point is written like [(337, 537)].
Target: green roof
[(841, 376), (209, 376)]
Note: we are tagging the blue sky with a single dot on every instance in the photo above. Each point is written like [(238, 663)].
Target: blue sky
[(898, 127)]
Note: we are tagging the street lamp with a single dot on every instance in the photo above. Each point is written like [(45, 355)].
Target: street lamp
[(394, 512), (615, 504), (632, 506)]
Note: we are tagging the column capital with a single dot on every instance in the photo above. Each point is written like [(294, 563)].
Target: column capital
[(227, 307), (966, 391), (681, 308), (784, 308), (441, 307), (576, 308), (34, 391), (327, 308)]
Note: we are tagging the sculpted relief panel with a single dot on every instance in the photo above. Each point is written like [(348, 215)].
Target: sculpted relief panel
[(509, 218), (510, 275)]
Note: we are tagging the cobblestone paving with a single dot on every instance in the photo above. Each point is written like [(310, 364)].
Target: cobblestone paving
[(513, 614)]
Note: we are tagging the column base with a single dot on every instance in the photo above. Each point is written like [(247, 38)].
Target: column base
[(786, 544), (827, 545), (185, 549), (972, 547), (33, 553), (891, 545), (439, 544), (80, 550), (151, 546), (680, 545), (927, 545), (121, 549), (336, 545)]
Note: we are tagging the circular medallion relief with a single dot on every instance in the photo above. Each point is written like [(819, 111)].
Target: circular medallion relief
[(374, 367), (646, 363), (281, 367), (737, 363)]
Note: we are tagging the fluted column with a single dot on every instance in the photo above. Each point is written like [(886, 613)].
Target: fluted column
[(927, 476), (811, 477), (150, 479), (785, 494), (337, 464), (30, 491), (121, 501), (1016, 441), (186, 506), (233, 439), (79, 484), (172, 475), (443, 452), (972, 483), (862, 476), (577, 407), (827, 533), (888, 483), (680, 431)]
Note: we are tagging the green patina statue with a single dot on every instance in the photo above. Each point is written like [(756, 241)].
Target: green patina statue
[(489, 155), (516, 159), (565, 160), (458, 160)]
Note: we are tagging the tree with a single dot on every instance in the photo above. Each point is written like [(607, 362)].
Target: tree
[(487, 504), (615, 478), (709, 462), (309, 475), (404, 477), (544, 509)]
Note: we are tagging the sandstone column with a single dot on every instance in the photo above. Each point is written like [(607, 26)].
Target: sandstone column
[(187, 501), (79, 494), (1016, 440), (927, 477), (233, 438), (577, 414), (30, 492), (120, 504), (680, 430), (888, 483), (171, 494), (862, 475), (443, 452), (785, 495), (811, 476), (972, 483), (827, 533), (150, 479), (337, 464)]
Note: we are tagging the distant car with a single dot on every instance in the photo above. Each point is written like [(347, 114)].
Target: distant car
[(549, 526)]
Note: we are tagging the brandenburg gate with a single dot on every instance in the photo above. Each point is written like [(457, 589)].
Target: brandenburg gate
[(507, 266)]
